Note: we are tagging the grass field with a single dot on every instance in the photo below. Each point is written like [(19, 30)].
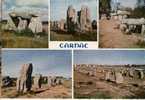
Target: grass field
[(10, 40), (60, 36)]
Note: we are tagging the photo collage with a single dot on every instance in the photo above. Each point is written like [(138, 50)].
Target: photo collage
[(72, 49)]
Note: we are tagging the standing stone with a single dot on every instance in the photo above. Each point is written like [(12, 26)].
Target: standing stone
[(141, 74), (131, 73), (71, 19), (24, 82), (62, 23), (37, 81), (49, 81), (35, 25), (118, 78), (10, 25), (58, 81), (22, 24), (107, 76), (85, 20), (143, 30)]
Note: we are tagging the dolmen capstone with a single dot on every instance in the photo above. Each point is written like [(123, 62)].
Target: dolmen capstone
[(37, 81), (24, 81)]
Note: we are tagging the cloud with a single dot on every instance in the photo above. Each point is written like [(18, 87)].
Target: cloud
[(42, 12), (31, 2)]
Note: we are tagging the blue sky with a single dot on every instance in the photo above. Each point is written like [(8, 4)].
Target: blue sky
[(39, 7), (59, 7), (111, 57), (45, 62), (127, 3)]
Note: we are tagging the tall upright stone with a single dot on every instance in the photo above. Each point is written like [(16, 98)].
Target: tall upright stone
[(119, 78), (49, 81), (141, 74), (108, 76), (84, 19), (38, 81), (62, 24), (131, 73), (71, 19), (24, 81), (35, 25), (22, 24)]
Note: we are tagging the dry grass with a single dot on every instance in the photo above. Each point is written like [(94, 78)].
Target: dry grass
[(100, 89)]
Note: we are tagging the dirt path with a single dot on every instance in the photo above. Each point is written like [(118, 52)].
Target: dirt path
[(56, 92), (102, 89), (59, 91), (114, 38)]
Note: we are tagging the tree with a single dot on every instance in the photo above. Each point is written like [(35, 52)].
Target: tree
[(140, 3), (138, 12), (105, 7)]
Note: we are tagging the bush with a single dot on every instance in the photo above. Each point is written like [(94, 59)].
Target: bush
[(138, 12)]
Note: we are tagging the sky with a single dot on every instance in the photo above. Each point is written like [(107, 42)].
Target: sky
[(45, 62), (127, 3), (59, 8), (111, 57), (39, 7)]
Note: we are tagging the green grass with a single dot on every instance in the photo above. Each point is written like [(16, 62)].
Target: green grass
[(11, 40), (90, 36)]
